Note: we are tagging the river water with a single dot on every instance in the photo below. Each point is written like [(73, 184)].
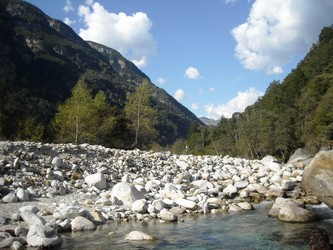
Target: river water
[(244, 230)]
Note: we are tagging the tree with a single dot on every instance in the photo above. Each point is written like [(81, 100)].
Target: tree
[(141, 116), (75, 117)]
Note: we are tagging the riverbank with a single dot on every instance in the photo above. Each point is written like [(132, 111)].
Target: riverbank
[(77, 187)]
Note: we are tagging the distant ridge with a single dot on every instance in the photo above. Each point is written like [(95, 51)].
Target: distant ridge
[(208, 121)]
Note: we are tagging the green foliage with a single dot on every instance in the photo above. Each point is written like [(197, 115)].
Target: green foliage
[(30, 130), (84, 119), (141, 116), (295, 113)]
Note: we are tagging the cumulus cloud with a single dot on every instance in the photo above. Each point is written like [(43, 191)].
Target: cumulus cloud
[(68, 6), (129, 34), (276, 31), (237, 104), (179, 94), (68, 21), (194, 106), (192, 73), (161, 80)]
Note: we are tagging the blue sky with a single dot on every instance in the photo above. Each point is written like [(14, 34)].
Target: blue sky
[(215, 57)]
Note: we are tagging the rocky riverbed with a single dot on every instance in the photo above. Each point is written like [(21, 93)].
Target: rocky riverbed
[(47, 189)]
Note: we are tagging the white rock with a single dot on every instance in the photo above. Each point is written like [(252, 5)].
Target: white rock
[(32, 208), (182, 164), (230, 190), (153, 185), (139, 206), (159, 205), (57, 162), (137, 235), (43, 236), (80, 223), (22, 195), (31, 218), (245, 205), (126, 193), (241, 184), (187, 204), (202, 184), (10, 198), (96, 180), (167, 215)]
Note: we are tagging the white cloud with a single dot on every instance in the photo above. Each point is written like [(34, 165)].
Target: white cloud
[(276, 31), (68, 21), (211, 89), (129, 34), (194, 106), (237, 104), (89, 2), (179, 94), (141, 62), (192, 73), (161, 80), (68, 6)]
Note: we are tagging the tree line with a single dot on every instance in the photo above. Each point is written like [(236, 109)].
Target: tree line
[(84, 118)]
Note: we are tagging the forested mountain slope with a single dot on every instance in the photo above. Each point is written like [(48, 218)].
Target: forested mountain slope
[(297, 112), (41, 59)]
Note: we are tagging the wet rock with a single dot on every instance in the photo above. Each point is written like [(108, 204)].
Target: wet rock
[(281, 203), (9, 241), (138, 236), (296, 214), (43, 236), (80, 224), (167, 216), (245, 205)]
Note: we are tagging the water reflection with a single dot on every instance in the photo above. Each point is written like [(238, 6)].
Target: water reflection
[(245, 230)]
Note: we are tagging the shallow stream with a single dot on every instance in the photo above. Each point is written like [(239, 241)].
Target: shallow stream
[(244, 230)]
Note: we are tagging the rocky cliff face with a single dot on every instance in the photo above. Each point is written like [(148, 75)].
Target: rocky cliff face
[(41, 60)]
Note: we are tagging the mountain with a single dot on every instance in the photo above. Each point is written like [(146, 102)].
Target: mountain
[(42, 59), (208, 121)]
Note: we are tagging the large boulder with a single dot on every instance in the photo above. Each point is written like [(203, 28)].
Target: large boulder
[(318, 177), (296, 214), (281, 203), (300, 157), (125, 193), (43, 236)]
